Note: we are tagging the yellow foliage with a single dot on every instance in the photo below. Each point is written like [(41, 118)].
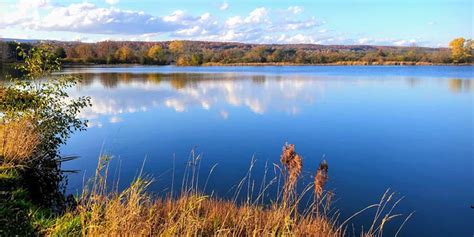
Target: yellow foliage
[(124, 54), (177, 46), (155, 52), (460, 49)]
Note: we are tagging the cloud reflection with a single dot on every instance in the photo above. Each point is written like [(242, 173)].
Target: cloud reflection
[(114, 94)]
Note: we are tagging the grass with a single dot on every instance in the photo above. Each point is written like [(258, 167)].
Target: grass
[(135, 211), (19, 215), (18, 141)]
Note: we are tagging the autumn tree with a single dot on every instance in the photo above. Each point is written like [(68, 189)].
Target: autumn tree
[(177, 47), (197, 53), (156, 54), (301, 57), (71, 53), (124, 54), (461, 50), (257, 54), (85, 52), (105, 51)]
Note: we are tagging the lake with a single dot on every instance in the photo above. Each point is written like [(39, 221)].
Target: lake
[(409, 129)]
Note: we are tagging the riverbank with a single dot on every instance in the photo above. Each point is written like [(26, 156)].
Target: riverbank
[(343, 63), (355, 63)]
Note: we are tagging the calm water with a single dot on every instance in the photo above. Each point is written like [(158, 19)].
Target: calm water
[(409, 129)]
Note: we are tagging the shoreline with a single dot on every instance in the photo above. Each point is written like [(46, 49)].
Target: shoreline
[(73, 65)]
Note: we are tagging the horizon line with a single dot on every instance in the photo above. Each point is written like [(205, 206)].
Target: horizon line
[(7, 39)]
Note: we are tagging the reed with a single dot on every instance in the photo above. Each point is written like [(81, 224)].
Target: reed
[(321, 178), (292, 164), (135, 211)]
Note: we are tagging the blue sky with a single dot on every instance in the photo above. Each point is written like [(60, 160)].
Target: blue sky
[(384, 22)]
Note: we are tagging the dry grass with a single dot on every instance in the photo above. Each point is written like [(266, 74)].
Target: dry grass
[(135, 212), (18, 141)]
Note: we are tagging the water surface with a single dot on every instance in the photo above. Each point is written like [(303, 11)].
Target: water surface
[(409, 129)]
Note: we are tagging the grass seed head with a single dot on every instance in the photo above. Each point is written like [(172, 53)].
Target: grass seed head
[(321, 178), (292, 162)]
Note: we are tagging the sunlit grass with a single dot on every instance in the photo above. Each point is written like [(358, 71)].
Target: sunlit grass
[(135, 211), (18, 141)]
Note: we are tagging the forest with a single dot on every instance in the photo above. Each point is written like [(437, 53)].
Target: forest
[(195, 53)]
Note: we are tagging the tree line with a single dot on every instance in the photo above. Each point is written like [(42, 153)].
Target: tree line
[(194, 53)]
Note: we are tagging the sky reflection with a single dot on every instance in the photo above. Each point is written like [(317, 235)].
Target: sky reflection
[(131, 93)]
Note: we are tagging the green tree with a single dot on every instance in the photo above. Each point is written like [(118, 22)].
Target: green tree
[(59, 52), (41, 97)]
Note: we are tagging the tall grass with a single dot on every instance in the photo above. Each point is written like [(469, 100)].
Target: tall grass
[(18, 141), (135, 211)]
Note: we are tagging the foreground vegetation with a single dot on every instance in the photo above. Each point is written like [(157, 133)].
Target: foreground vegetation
[(134, 211), (194, 53), (37, 116)]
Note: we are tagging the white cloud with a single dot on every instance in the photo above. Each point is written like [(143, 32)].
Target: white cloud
[(384, 41), (405, 42), (224, 6), (205, 16), (295, 9), (176, 16), (88, 18), (112, 2), (259, 25), (363, 41), (290, 25), (299, 39), (26, 11), (234, 21), (256, 16), (32, 4), (195, 30)]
